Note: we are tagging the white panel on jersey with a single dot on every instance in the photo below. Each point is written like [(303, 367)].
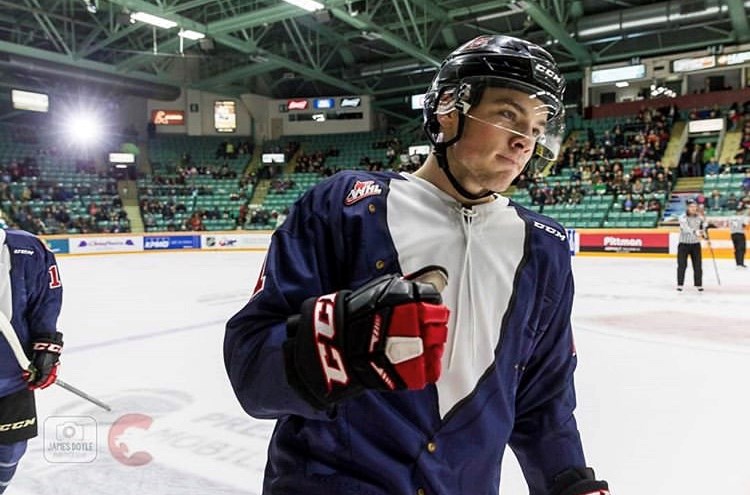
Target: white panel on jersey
[(481, 249)]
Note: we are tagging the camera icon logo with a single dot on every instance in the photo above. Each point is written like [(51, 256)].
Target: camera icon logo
[(69, 431), (70, 439)]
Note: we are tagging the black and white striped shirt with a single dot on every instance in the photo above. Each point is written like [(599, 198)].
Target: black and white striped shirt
[(737, 224), (689, 227)]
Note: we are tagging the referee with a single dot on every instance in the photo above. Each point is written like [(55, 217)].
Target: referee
[(692, 231), (737, 229)]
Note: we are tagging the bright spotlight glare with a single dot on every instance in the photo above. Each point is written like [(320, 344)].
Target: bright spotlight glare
[(84, 129)]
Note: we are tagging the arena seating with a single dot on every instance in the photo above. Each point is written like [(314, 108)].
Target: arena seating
[(48, 190)]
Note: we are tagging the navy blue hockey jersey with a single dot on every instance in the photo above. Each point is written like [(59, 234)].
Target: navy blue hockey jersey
[(30, 296), (507, 368)]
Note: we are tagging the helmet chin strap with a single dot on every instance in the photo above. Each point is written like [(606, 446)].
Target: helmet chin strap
[(441, 153), (443, 163)]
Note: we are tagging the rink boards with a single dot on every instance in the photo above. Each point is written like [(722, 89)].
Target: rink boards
[(583, 242)]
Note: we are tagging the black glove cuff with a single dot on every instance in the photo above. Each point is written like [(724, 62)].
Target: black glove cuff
[(49, 344), (302, 358), (294, 379), (578, 481)]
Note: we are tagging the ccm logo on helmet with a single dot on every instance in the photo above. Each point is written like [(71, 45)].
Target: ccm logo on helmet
[(549, 73), (550, 230)]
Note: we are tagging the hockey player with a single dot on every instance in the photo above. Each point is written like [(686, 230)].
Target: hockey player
[(329, 342), (31, 298), (692, 230)]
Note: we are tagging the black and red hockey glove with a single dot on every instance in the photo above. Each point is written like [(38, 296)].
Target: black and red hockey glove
[(387, 335), (579, 481), (44, 361)]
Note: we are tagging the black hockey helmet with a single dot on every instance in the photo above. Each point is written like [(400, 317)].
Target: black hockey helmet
[(496, 61)]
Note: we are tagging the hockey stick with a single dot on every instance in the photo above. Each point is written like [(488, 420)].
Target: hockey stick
[(711, 249), (10, 335)]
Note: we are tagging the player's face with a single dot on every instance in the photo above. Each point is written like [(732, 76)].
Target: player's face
[(497, 141)]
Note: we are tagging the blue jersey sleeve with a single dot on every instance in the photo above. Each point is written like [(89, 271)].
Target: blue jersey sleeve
[(34, 290), (302, 262), (45, 292), (545, 436)]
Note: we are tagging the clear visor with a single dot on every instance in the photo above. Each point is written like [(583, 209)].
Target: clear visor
[(547, 144)]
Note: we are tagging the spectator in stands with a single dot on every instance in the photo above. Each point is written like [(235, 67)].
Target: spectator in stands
[(522, 182), (598, 186), (260, 217), (585, 173), (744, 202), (628, 204), (539, 198), (684, 165), (654, 205), (640, 207), (732, 203), (242, 214), (709, 153), (725, 169), (733, 118), (149, 221), (745, 145), (715, 201), (390, 155), (637, 186), (696, 161), (712, 166), (668, 175), (746, 181), (195, 222)]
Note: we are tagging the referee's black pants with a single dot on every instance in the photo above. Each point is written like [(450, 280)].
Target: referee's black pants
[(739, 248), (694, 251)]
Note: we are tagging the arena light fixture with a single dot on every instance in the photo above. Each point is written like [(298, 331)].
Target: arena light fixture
[(152, 19), (308, 5), (191, 35), (83, 128)]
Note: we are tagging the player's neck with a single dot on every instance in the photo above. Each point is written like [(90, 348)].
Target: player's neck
[(431, 172)]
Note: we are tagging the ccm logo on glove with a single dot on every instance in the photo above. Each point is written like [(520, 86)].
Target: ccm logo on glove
[(387, 335), (330, 358)]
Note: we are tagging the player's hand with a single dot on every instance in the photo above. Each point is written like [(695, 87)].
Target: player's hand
[(44, 361), (387, 335)]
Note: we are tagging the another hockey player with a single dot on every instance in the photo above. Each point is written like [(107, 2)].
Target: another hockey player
[(692, 230), (31, 298), (348, 355)]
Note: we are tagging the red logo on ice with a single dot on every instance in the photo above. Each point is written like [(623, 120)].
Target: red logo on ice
[(361, 190), (129, 429)]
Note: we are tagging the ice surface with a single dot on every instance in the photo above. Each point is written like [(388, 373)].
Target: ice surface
[(662, 381)]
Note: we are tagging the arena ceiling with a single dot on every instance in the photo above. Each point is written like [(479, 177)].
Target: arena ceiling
[(384, 48)]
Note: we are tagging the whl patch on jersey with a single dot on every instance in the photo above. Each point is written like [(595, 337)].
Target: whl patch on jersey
[(361, 190)]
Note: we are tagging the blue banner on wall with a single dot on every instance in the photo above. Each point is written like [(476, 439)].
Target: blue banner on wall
[(58, 246), (172, 242)]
